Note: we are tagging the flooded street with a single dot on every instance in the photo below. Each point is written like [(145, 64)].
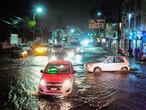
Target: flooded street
[(19, 80)]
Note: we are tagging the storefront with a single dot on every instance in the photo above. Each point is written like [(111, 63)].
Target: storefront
[(144, 41)]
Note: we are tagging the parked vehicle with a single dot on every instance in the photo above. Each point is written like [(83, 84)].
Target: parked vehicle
[(17, 52), (57, 78), (109, 63), (26, 47)]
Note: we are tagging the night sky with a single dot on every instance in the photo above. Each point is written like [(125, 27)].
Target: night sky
[(66, 12)]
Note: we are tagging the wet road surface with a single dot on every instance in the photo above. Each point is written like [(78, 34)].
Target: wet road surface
[(19, 79)]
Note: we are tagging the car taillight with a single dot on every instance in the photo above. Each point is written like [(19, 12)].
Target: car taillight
[(88, 65)]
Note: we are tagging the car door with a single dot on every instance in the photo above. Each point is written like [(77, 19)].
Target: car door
[(108, 64), (119, 63)]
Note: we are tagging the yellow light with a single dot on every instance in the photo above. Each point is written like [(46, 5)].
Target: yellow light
[(40, 49), (24, 53)]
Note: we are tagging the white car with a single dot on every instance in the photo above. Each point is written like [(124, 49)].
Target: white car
[(109, 63), (25, 47)]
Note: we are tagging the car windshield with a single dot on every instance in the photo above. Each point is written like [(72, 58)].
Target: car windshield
[(25, 45), (57, 69), (43, 46)]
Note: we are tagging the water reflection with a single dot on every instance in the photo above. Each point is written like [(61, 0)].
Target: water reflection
[(92, 77), (53, 103), (40, 60)]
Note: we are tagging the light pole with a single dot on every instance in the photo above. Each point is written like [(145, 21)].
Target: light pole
[(129, 19), (129, 28), (37, 10)]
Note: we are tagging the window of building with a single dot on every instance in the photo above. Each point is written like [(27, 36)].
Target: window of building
[(138, 20)]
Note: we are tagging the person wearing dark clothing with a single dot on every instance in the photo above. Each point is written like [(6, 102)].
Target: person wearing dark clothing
[(130, 52), (137, 53)]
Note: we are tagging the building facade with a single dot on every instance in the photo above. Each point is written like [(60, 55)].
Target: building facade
[(133, 28)]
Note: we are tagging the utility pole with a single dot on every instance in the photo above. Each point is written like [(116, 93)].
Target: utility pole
[(119, 31)]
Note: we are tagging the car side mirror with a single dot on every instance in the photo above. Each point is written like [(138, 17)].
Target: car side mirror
[(41, 71)]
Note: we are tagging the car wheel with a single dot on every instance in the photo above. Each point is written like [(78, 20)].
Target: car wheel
[(124, 69), (97, 70)]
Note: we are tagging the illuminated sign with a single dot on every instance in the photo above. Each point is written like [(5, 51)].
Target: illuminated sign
[(14, 39), (96, 24)]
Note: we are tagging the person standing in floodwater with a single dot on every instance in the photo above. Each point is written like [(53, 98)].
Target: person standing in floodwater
[(137, 53)]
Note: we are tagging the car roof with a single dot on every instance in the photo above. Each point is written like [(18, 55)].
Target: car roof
[(116, 56), (60, 62)]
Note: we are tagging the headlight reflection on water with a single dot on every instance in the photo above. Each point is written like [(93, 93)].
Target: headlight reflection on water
[(41, 60), (74, 58)]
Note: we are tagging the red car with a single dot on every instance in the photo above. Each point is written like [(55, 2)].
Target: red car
[(57, 78)]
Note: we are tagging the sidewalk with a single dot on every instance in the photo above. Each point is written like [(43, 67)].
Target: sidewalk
[(137, 65)]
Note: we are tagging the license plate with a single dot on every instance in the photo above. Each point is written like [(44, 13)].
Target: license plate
[(53, 89)]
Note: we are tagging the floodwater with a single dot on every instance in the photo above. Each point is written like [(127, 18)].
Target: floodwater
[(19, 79)]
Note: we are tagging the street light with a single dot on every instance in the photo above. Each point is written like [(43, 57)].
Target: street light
[(98, 14), (38, 10), (72, 30)]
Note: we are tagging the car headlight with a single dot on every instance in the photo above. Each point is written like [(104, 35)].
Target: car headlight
[(45, 49), (81, 50), (53, 50), (88, 65), (37, 49), (43, 82), (41, 49), (24, 53), (78, 49), (67, 83)]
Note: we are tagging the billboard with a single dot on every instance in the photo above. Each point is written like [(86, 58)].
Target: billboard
[(14, 39), (96, 23)]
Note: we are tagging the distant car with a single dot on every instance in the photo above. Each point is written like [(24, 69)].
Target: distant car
[(74, 46), (41, 49), (57, 48), (17, 52), (109, 63), (91, 49), (25, 47), (57, 78)]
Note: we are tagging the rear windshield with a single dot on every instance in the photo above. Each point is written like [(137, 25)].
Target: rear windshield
[(57, 69), (57, 46), (44, 46), (74, 44)]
